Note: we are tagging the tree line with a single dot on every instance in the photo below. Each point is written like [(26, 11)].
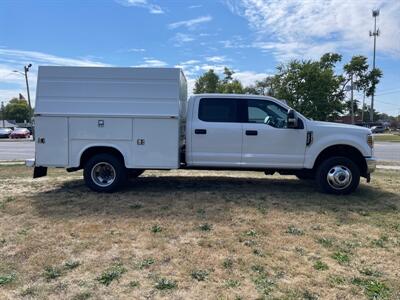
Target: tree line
[(17, 109), (313, 87)]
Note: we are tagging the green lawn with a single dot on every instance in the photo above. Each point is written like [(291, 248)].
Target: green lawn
[(197, 235), (387, 138)]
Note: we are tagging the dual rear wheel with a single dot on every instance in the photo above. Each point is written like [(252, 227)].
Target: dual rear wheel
[(106, 173)]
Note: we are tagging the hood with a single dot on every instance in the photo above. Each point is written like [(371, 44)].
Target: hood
[(340, 126)]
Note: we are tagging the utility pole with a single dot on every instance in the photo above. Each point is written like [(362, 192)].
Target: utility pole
[(362, 110), (375, 34), (2, 113), (352, 100), (26, 70)]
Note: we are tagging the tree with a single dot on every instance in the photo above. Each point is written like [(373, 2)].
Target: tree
[(311, 87), (18, 110), (229, 85), (263, 87), (207, 83), (210, 82)]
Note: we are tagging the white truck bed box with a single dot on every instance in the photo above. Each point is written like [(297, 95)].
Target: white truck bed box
[(82, 107)]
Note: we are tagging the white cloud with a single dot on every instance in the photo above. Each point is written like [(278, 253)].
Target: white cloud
[(7, 95), (152, 63), (14, 59), (152, 8), (182, 38), (216, 68), (190, 62), (13, 55), (136, 50), (195, 6), (216, 59), (190, 23), (248, 77), (297, 28)]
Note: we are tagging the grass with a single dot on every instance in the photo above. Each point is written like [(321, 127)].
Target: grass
[(5, 279), (341, 257), (387, 138), (373, 289), (165, 284), (51, 273), (71, 264), (199, 275), (111, 274), (320, 266), (145, 263), (275, 238)]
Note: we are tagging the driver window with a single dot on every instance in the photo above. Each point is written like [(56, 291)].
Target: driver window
[(267, 112)]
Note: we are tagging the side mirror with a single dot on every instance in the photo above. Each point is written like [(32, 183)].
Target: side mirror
[(292, 119)]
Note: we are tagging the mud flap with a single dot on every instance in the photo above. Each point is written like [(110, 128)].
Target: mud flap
[(39, 172)]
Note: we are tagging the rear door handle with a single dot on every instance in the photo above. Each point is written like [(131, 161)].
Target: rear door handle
[(200, 131), (251, 132)]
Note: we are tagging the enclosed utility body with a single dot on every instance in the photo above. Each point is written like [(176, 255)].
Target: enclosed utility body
[(139, 112)]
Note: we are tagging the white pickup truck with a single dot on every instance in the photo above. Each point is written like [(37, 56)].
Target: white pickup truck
[(117, 122)]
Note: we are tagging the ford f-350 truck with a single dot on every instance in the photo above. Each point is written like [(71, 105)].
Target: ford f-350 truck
[(117, 122)]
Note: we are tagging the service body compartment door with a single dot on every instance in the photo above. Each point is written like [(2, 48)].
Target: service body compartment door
[(51, 141), (156, 143)]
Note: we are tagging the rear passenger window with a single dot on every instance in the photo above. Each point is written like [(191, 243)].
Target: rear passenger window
[(218, 110)]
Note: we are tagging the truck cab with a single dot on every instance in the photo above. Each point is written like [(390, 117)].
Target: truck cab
[(248, 132)]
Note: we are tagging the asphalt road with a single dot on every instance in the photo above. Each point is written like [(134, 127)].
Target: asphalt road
[(20, 150)]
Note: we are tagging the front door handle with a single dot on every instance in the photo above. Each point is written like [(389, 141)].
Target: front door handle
[(251, 132), (200, 131)]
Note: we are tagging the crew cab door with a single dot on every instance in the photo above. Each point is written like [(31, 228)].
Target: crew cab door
[(267, 142), (215, 133)]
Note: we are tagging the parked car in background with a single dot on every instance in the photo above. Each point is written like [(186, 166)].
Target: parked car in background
[(378, 129), (5, 133), (20, 133)]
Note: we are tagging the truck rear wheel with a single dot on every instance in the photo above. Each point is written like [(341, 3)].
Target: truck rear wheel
[(104, 173), (338, 175)]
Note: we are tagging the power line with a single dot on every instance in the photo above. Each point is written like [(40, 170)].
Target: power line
[(387, 93)]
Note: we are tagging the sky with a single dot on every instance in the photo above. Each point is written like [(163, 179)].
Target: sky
[(249, 36)]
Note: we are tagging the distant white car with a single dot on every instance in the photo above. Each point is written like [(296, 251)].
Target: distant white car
[(5, 132), (378, 129), (112, 122)]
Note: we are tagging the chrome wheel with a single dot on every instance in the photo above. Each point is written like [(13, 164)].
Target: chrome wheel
[(339, 177), (103, 174)]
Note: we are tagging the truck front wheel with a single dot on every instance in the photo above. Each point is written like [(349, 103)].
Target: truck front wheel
[(104, 173), (338, 175)]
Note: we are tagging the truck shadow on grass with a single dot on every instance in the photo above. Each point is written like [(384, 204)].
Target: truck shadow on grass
[(183, 196)]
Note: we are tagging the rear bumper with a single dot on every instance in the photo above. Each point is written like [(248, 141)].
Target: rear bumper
[(371, 164)]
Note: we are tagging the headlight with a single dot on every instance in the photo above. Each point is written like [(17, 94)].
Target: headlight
[(370, 140)]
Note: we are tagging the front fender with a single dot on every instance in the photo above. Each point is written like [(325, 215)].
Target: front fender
[(320, 143)]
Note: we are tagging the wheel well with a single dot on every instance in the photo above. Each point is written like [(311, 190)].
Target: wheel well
[(343, 150), (91, 151)]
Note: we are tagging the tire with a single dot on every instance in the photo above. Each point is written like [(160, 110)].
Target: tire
[(338, 175), (134, 173), (104, 173)]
